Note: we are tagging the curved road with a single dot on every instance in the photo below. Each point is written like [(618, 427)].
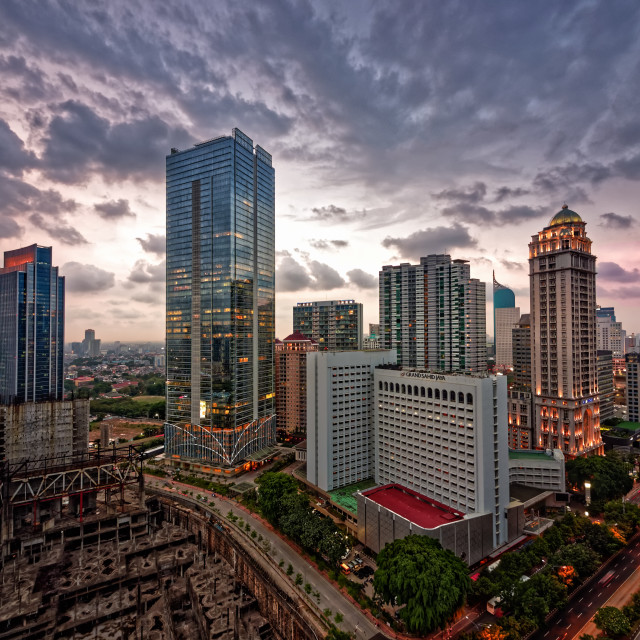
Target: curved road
[(330, 597)]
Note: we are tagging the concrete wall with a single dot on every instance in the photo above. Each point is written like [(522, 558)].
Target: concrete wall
[(43, 429)]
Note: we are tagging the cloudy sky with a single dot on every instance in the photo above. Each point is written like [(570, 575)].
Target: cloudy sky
[(398, 129)]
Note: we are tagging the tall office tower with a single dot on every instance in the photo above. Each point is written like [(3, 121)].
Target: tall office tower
[(433, 315), (90, 346), (562, 272), (31, 327), (340, 430), (633, 391), (632, 344), (291, 382), (336, 325), (442, 436), (605, 384), (611, 335), (220, 301), (520, 400), (505, 317)]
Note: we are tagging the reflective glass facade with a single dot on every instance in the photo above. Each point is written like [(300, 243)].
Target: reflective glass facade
[(220, 300), (31, 327)]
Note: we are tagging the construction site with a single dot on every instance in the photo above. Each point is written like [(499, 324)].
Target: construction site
[(87, 553)]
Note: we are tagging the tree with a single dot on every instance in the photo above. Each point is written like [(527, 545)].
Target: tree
[(583, 559), (612, 621), (431, 582), (274, 488), (536, 597), (601, 540), (609, 476)]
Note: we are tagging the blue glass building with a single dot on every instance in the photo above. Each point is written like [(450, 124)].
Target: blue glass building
[(220, 301), (31, 327), (503, 298)]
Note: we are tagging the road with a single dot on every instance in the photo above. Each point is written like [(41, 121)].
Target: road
[(577, 618), (330, 597)]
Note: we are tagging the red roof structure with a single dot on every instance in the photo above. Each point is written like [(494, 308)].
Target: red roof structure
[(296, 336), (425, 512)]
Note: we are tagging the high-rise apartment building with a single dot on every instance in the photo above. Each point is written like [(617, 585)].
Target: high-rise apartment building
[(336, 325), (433, 315), (605, 384), (340, 430), (521, 345), (562, 272), (611, 336), (519, 394), (291, 382), (90, 345), (633, 390), (220, 301), (443, 437), (31, 327), (505, 317)]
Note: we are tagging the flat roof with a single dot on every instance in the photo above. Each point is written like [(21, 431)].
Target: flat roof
[(627, 426), (345, 496), (413, 506)]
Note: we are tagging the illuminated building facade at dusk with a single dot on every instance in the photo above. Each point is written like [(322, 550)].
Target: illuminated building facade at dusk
[(562, 273), (220, 301)]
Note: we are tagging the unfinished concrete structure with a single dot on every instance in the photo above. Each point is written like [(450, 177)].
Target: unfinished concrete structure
[(43, 429), (129, 567)]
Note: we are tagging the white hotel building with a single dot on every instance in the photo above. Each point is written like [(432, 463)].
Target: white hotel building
[(444, 436)]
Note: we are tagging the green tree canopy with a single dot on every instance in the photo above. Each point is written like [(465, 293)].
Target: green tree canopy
[(612, 621), (609, 476), (584, 560), (535, 598), (431, 582), (274, 488)]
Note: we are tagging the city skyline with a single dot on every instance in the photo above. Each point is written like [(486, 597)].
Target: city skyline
[(394, 143)]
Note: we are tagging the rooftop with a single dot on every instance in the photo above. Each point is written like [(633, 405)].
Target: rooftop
[(345, 498), (565, 216), (409, 504)]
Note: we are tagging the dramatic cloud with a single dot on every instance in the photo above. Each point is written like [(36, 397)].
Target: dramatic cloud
[(472, 195), (331, 213), (615, 273), (19, 198), (428, 241), (144, 271), (86, 278), (114, 209), (475, 214), (324, 276), (58, 229), (14, 158), (154, 244), (504, 193), (328, 245), (79, 143), (615, 221), (512, 266), (291, 275), (9, 228), (362, 279)]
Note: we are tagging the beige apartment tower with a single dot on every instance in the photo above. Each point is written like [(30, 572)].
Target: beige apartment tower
[(562, 272), (291, 382)]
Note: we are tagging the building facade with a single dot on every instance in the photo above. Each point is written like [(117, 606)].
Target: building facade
[(562, 273), (31, 327), (605, 384), (505, 317), (336, 325), (433, 315), (90, 345), (443, 437), (340, 398), (220, 301), (520, 418), (633, 391), (291, 382), (611, 336)]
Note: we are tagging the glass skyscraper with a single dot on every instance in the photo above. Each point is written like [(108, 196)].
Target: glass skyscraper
[(220, 301), (31, 327)]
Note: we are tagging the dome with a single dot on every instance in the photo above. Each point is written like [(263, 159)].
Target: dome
[(565, 216)]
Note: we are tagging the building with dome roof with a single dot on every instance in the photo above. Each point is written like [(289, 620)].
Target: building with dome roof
[(505, 318), (562, 272)]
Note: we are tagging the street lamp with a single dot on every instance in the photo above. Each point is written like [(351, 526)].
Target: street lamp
[(587, 493)]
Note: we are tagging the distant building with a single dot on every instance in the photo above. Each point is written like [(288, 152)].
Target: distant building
[(633, 391), (442, 436), (605, 384), (371, 343), (76, 348), (336, 325), (31, 327), (291, 382), (90, 345), (520, 418), (610, 334), (538, 469), (521, 344), (340, 399), (374, 330), (159, 361), (562, 272), (505, 317), (433, 315)]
